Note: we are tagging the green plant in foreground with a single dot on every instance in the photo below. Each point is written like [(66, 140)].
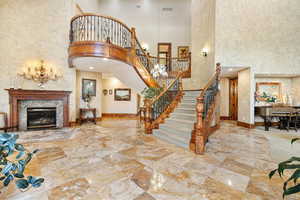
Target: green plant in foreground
[(291, 164), (13, 160), (149, 93)]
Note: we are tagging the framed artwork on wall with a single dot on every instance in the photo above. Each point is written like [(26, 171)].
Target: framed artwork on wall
[(183, 52), (105, 92), (122, 94), (110, 92), (269, 92), (88, 87)]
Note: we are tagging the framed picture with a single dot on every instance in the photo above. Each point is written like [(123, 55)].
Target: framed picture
[(88, 87), (269, 91), (183, 52), (105, 92), (110, 92), (122, 94)]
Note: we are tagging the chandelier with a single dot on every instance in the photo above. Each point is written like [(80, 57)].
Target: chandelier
[(159, 70), (40, 74)]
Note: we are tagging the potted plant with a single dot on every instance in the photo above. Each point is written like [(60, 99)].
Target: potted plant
[(292, 184), (13, 160)]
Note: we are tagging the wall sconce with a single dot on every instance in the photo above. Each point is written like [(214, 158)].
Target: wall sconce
[(205, 52)]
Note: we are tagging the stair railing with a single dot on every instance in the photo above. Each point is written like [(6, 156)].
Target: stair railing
[(208, 113), (159, 108)]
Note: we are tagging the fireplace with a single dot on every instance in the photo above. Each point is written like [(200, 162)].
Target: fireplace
[(20, 100), (41, 118)]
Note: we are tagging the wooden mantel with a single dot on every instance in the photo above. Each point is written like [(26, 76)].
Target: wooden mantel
[(16, 95)]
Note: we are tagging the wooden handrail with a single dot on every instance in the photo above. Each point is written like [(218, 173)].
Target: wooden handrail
[(166, 89), (211, 80)]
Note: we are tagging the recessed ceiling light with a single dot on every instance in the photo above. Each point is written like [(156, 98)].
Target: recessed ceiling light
[(230, 69), (105, 59), (91, 67)]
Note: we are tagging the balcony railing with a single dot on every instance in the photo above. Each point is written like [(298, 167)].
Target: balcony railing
[(104, 29), (101, 29)]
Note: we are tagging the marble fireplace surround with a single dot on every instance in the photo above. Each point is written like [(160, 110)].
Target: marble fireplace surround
[(25, 104), (20, 99)]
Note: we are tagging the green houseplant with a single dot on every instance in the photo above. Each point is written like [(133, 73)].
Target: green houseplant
[(292, 184), (151, 92), (13, 160)]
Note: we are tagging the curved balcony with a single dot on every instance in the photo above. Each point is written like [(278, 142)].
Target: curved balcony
[(94, 37)]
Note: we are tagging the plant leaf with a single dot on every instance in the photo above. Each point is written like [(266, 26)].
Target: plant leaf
[(294, 140), (18, 175), (271, 174), (7, 168), (7, 180), (21, 153), (292, 190), (19, 147), (35, 151), (22, 183)]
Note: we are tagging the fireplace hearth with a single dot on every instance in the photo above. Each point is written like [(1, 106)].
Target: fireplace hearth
[(41, 118)]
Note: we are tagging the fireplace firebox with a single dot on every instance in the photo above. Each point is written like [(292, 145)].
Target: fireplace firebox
[(41, 118)]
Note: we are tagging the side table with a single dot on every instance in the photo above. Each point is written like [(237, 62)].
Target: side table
[(82, 111)]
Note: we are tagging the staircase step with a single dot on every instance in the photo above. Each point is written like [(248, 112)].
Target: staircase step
[(161, 135), (177, 133), (186, 111), (187, 105), (180, 121), (177, 128), (189, 101), (183, 116)]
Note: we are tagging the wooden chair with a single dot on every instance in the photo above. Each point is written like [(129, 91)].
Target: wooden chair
[(294, 121)]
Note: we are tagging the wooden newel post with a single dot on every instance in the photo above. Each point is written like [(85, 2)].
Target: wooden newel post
[(133, 41), (200, 137), (148, 124)]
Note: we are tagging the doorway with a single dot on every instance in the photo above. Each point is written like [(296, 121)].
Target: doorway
[(164, 54), (233, 99)]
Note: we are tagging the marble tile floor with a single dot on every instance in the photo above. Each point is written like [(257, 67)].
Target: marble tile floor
[(114, 160)]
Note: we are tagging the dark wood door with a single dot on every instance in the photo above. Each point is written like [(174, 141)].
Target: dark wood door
[(233, 99)]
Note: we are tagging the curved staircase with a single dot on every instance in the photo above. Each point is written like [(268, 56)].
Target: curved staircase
[(103, 44)]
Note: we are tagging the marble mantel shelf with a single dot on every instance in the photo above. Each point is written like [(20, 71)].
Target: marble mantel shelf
[(16, 95)]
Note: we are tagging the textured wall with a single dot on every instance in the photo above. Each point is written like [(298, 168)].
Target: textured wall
[(97, 100), (109, 104), (152, 24), (264, 35), (34, 30), (89, 6), (246, 88), (203, 36)]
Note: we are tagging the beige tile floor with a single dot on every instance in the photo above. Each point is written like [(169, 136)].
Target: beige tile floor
[(114, 160)]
